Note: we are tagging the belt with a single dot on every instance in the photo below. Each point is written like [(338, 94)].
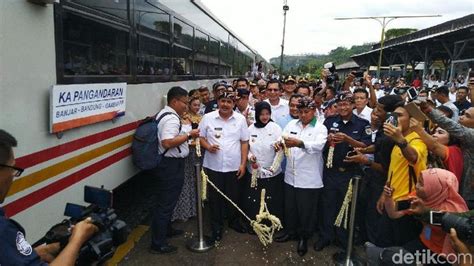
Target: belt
[(341, 169)]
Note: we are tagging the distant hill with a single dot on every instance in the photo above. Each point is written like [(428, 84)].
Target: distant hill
[(312, 63)]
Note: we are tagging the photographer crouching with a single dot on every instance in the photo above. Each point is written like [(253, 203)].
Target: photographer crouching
[(438, 243), (15, 250)]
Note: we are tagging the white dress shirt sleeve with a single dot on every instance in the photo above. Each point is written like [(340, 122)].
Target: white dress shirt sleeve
[(244, 130), (316, 145)]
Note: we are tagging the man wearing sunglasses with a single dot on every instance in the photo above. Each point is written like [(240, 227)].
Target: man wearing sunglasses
[(15, 250)]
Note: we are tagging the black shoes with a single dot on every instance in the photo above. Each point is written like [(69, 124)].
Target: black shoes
[(320, 245), (174, 232), (284, 238), (165, 249), (302, 247)]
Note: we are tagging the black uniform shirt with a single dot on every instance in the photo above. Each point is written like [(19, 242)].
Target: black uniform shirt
[(356, 128), (14, 249)]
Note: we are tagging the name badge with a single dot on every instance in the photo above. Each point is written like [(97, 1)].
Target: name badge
[(218, 133)]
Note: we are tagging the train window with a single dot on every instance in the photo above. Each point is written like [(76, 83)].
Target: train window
[(92, 48), (183, 35), (151, 20), (182, 61), (153, 57), (201, 47), (226, 59), (214, 57), (118, 8)]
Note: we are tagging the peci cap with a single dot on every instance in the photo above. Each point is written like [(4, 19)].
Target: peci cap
[(228, 93), (345, 96), (241, 92), (328, 104), (306, 102)]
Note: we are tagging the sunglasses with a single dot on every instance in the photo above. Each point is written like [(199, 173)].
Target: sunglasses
[(18, 170)]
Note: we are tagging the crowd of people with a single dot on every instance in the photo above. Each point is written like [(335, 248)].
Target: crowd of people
[(303, 142)]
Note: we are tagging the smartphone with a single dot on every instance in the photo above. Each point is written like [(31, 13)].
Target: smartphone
[(392, 118), (470, 77), (98, 196), (351, 153), (412, 93), (414, 111), (403, 205), (436, 217)]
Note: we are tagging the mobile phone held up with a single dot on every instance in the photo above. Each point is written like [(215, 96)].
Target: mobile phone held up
[(392, 118), (403, 205), (351, 153)]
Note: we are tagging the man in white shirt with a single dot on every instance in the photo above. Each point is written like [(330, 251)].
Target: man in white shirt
[(173, 144), (442, 95), (243, 107), (224, 135), (279, 105), (361, 99), (305, 137)]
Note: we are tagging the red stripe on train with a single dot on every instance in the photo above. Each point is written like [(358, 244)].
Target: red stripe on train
[(56, 151), (39, 195)]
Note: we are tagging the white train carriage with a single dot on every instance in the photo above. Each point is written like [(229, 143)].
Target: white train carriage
[(140, 42)]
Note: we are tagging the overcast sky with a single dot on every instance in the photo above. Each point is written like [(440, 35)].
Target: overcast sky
[(310, 24)]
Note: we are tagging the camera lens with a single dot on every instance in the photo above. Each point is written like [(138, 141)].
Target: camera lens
[(462, 225)]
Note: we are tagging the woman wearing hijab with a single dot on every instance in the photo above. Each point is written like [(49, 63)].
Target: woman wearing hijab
[(437, 189), (263, 167)]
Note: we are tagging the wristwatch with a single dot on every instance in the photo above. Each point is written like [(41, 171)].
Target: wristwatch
[(402, 145)]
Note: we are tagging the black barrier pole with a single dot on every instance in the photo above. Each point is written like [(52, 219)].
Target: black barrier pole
[(346, 258), (202, 243)]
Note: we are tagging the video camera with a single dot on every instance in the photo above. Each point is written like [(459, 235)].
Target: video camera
[(332, 77), (112, 231), (464, 226)]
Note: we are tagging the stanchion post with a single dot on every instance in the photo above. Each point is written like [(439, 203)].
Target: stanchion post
[(355, 192), (346, 258), (202, 243)]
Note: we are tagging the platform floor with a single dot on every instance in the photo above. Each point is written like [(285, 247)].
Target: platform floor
[(234, 249)]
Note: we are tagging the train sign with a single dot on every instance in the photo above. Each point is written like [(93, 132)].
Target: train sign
[(77, 105)]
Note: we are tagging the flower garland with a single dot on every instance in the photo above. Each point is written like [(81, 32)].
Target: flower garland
[(255, 172), (330, 156), (198, 148), (344, 212), (276, 161)]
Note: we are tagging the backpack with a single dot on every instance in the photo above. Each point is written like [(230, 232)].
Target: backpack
[(145, 152)]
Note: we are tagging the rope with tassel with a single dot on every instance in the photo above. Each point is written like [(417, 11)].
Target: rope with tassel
[(344, 212), (263, 231)]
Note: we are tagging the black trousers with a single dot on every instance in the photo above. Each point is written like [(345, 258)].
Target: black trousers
[(397, 232), (372, 216), (334, 191), (229, 184), (273, 195), (170, 175), (300, 210)]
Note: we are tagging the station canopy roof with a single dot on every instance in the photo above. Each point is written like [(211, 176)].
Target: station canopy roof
[(451, 40)]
